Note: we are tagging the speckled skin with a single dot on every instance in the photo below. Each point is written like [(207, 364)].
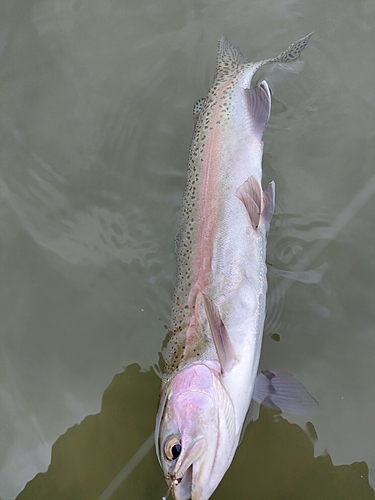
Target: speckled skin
[(220, 256), (177, 353), (216, 112)]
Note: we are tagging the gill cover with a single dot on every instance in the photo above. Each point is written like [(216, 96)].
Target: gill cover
[(195, 432)]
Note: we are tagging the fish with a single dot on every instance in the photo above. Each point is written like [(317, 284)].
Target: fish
[(212, 350)]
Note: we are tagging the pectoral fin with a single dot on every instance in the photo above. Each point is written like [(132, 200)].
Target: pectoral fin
[(224, 348), (281, 391)]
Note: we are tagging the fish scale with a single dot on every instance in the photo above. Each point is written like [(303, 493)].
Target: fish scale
[(217, 319), (175, 354), (176, 346)]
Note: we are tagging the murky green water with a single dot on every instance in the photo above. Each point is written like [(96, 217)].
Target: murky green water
[(96, 104)]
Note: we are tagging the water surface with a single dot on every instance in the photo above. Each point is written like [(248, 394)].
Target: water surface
[(95, 122)]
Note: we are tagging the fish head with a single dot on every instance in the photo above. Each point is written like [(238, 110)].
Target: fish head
[(195, 432)]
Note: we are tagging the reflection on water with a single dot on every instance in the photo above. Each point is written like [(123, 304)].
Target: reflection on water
[(88, 456), (275, 459), (96, 104)]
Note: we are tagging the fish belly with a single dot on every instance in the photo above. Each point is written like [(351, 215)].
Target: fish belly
[(238, 281)]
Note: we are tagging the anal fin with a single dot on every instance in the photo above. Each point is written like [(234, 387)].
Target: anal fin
[(224, 348)]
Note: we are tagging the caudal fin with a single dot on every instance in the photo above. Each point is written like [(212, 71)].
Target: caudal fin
[(292, 52), (230, 58)]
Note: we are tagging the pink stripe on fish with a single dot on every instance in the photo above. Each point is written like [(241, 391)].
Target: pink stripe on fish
[(208, 202)]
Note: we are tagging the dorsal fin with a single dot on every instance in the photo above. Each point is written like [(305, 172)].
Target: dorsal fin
[(224, 348), (228, 55)]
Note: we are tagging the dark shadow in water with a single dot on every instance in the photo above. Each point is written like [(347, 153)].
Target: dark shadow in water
[(274, 461)]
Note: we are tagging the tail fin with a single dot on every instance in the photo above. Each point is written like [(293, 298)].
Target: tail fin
[(292, 52), (229, 56)]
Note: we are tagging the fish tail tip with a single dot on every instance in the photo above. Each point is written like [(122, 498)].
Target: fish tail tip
[(222, 41), (294, 50), (307, 37)]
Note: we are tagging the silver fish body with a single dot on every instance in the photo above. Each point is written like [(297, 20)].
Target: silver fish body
[(214, 343)]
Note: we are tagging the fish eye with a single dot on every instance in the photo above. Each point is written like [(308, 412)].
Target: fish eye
[(172, 448)]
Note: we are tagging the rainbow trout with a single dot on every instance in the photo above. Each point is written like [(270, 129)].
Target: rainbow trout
[(214, 343)]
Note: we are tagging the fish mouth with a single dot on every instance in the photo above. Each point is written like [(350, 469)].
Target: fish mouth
[(182, 479), (183, 490)]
